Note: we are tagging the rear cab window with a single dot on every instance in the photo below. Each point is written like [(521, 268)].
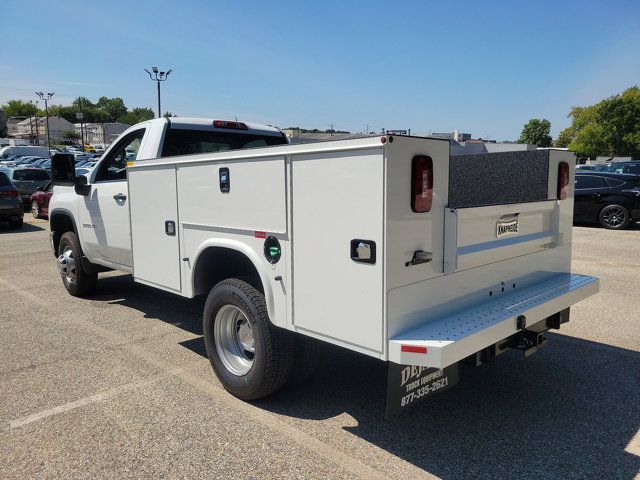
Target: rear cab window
[(179, 141)]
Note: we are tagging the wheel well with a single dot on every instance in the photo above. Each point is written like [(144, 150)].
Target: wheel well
[(60, 223), (219, 263)]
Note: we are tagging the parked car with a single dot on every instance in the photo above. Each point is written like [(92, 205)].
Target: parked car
[(611, 199), (23, 161), (623, 167), (40, 201), (27, 180), (10, 204)]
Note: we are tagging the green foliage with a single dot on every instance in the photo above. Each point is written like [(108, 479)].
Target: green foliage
[(70, 135), (610, 127), (19, 108), (103, 111), (168, 114), (536, 132)]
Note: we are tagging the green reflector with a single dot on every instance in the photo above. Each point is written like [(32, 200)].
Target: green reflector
[(273, 251)]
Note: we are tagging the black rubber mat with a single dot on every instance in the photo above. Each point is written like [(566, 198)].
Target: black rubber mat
[(498, 178)]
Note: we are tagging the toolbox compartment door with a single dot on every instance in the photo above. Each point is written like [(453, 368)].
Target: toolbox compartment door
[(154, 227), (337, 206)]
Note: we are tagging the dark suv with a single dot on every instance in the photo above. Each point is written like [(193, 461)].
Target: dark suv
[(611, 199), (27, 180)]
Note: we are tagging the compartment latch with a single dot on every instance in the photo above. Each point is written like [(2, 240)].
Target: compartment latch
[(419, 256)]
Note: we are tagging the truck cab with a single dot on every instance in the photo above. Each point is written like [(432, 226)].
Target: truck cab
[(105, 202)]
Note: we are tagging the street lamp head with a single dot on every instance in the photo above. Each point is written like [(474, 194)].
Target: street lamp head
[(170, 70), (50, 94), (155, 69)]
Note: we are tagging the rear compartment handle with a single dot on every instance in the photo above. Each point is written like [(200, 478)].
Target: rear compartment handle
[(419, 256)]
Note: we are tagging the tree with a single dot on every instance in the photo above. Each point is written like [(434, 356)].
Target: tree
[(69, 136), (536, 132), (611, 127), (19, 108), (114, 107), (168, 114)]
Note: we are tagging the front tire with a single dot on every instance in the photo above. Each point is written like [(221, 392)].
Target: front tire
[(75, 278), (250, 356), (614, 217)]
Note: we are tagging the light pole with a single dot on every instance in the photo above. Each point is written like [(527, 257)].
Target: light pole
[(158, 77), (80, 116), (46, 99)]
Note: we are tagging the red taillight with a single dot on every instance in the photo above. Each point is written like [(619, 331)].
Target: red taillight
[(563, 180), (260, 234), (421, 183), (10, 193), (413, 349), (233, 125)]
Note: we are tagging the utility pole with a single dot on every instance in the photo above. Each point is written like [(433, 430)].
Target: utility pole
[(46, 99), (158, 77), (331, 130)]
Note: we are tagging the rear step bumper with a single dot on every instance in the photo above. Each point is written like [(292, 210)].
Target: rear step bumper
[(453, 338)]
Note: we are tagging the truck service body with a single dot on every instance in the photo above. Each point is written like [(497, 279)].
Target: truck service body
[(388, 246)]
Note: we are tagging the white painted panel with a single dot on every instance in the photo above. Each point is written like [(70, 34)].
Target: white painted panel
[(338, 197), (256, 200), (421, 303), (156, 255), (408, 231)]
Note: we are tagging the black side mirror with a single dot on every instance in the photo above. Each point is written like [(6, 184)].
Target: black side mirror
[(81, 186), (63, 169)]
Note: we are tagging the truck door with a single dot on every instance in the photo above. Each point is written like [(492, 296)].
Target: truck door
[(104, 213)]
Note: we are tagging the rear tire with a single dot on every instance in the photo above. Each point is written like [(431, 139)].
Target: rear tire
[(75, 278), (614, 217), (250, 356)]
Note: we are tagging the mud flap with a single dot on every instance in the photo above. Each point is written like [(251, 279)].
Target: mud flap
[(408, 385)]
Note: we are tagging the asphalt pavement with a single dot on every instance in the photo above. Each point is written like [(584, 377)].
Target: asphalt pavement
[(118, 386)]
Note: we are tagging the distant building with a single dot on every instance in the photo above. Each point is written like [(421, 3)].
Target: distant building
[(100, 133), (455, 135), (12, 125), (38, 127)]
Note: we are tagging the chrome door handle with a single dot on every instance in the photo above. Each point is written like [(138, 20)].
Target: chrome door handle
[(119, 197)]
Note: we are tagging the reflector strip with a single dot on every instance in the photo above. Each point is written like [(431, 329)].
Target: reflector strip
[(413, 349), (261, 234)]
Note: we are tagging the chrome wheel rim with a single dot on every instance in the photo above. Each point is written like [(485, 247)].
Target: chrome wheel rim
[(614, 217), (34, 209), (67, 265), (234, 339)]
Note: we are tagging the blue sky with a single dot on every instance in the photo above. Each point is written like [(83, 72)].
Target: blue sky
[(482, 67)]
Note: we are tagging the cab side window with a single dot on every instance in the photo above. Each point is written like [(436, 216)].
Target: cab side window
[(114, 167)]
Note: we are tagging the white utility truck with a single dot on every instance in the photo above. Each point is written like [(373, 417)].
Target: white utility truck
[(388, 246)]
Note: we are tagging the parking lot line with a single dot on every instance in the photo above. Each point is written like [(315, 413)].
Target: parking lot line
[(262, 417), (98, 397)]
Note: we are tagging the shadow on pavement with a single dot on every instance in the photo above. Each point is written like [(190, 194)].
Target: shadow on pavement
[(569, 411), (26, 227)]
